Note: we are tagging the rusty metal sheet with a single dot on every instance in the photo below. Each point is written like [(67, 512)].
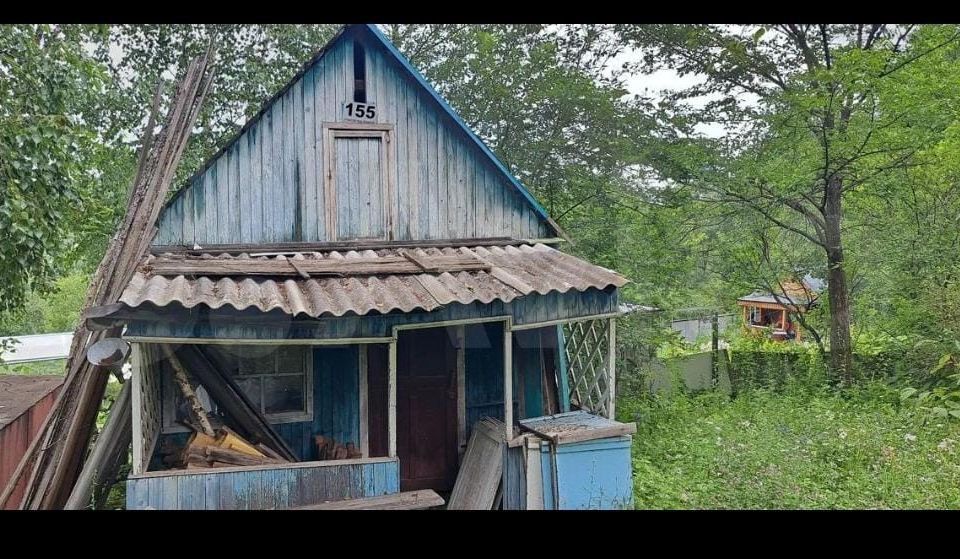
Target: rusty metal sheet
[(515, 271)]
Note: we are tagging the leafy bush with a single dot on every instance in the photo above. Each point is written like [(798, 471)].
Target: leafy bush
[(800, 447)]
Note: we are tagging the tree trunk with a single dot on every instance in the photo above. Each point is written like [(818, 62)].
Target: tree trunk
[(841, 359)]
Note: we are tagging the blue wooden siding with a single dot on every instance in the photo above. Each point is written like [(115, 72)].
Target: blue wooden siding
[(528, 372), (203, 323), (268, 186), (593, 474), (336, 391), (264, 487), (483, 372)]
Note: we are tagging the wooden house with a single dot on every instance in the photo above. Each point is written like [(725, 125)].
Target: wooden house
[(368, 272), (769, 311)]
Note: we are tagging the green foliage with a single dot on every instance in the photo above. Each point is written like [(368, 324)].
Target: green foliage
[(48, 81), (55, 311), (938, 397), (54, 367), (801, 448)]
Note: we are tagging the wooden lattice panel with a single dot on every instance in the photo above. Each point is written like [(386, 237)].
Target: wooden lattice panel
[(146, 414), (587, 347)]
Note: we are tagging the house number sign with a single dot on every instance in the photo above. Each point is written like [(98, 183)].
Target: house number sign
[(360, 111)]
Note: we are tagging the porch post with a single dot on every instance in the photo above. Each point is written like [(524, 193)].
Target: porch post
[(612, 365), (508, 378), (136, 372), (392, 397)]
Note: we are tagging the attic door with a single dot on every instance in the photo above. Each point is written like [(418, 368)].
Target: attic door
[(358, 183)]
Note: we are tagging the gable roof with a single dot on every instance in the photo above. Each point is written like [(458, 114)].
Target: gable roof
[(381, 39)]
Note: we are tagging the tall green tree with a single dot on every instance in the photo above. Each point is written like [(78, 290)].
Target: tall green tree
[(47, 82), (819, 113)]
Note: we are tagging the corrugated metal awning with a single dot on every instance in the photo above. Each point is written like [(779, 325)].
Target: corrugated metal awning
[(508, 272)]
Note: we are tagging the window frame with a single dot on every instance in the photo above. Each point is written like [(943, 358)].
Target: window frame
[(169, 390)]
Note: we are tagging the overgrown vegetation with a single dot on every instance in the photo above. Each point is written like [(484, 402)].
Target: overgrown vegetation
[(803, 447)]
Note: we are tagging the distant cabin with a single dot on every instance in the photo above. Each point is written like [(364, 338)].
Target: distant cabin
[(374, 281), (774, 311)]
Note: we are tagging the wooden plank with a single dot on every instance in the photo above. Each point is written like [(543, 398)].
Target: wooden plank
[(137, 371), (427, 265), (601, 433), (461, 387), (392, 397), (292, 247), (507, 381), (363, 411), (612, 368), (422, 499), (165, 266), (481, 471)]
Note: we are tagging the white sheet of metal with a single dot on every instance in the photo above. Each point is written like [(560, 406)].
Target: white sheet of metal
[(38, 347)]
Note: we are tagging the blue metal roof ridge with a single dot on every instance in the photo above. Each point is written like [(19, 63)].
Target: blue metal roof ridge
[(405, 63)]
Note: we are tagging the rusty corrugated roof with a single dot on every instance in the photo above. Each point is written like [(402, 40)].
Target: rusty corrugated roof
[(18, 393), (515, 271)]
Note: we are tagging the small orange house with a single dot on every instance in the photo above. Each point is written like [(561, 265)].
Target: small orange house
[(773, 311)]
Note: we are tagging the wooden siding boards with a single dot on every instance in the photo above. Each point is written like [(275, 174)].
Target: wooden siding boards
[(267, 186), (264, 488)]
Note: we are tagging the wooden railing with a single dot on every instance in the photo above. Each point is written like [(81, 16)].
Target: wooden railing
[(263, 487)]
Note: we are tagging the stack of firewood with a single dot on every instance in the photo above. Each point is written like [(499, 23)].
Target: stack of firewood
[(226, 449), (329, 449)]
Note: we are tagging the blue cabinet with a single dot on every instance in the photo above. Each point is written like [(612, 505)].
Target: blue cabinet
[(570, 461)]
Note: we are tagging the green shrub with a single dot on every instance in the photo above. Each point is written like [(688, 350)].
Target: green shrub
[(798, 447)]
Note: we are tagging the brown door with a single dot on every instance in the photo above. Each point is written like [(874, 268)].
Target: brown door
[(426, 409)]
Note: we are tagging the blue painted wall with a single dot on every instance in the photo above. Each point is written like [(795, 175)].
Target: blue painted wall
[(268, 185), (263, 487), (595, 475)]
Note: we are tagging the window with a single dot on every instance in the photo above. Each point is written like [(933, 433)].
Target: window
[(359, 73), (276, 379)]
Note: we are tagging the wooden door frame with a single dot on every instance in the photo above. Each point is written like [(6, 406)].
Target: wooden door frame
[(461, 373), (334, 130)]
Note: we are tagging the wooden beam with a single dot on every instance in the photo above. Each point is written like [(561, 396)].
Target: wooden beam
[(136, 379), (392, 398), (508, 380), (461, 388), (166, 266), (108, 454), (617, 430), (612, 366), (426, 266), (290, 248), (183, 381), (364, 403), (422, 499), (231, 399)]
